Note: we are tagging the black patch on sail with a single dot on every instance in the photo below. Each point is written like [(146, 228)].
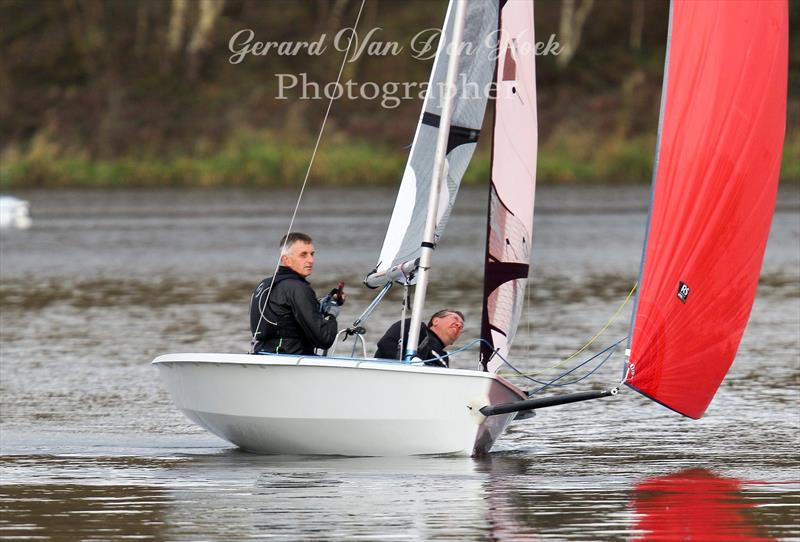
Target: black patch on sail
[(683, 291), (497, 273), (458, 134)]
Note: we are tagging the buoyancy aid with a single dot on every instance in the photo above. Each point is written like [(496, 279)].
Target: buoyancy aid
[(264, 323)]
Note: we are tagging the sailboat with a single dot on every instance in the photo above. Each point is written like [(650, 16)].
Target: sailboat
[(714, 188)]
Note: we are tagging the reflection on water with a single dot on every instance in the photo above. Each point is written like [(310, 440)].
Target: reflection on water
[(93, 448), (235, 496), (699, 505)]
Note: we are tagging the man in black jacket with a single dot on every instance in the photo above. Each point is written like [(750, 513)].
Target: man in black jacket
[(443, 329), (285, 316)]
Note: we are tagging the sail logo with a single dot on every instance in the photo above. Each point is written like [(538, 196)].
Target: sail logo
[(683, 291)]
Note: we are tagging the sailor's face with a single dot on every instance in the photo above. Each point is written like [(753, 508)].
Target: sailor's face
[(448, 328), (300, 258)]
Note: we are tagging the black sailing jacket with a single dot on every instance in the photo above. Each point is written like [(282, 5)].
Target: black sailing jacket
[(292, 322), (430, 345)]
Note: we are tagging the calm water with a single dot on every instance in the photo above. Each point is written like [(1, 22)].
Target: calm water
[(93, 449)]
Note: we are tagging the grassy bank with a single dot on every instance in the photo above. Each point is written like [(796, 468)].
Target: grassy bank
[(264, 160)]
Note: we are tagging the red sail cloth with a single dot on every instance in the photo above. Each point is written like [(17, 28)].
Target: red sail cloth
[(718, 162)]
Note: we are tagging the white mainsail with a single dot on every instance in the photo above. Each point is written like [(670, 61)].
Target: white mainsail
[(513, 185), (476, 65)]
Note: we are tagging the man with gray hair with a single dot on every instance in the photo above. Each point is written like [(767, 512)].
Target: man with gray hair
[(443, 329), (285, 316)]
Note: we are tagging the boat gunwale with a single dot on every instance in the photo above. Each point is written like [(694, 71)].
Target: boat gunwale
[(290, 360)]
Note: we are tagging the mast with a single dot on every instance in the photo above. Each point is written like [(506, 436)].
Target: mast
[(439, 164)]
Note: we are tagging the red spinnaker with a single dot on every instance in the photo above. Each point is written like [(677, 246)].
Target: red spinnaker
[(722, 126)]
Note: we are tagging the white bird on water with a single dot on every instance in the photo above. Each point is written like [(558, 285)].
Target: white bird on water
[(14, 213)]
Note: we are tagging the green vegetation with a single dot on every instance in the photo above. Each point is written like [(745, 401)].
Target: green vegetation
[(790, 165), (264, 160), (254, 160), (106, 94)]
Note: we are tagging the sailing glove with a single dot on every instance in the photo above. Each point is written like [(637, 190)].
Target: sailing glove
[(329, 307)]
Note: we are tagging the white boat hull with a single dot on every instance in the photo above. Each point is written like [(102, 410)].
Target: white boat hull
[(14, 213), (279, 404)]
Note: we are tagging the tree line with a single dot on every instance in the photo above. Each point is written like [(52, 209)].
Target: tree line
[(108, 78)]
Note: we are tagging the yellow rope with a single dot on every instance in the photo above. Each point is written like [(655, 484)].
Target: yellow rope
[(585, 346)]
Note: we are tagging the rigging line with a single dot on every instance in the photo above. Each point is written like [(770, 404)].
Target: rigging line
[(596, 335), (627, 373), (262, 316), (371, 307), (611, 349), (327, 113), (581, 364), (454, 352), (526, 303), (495, 352)]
